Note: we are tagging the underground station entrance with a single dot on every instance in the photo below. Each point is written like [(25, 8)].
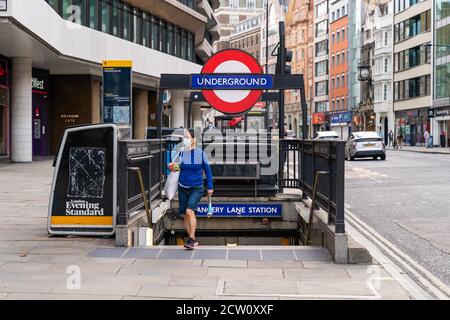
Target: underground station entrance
[(269, 190)]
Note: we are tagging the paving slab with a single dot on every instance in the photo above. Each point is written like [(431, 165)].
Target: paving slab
[(167, 262), (89, 268), (98, 260), (99, 288), (275, 264), (107, 252), (139, 279), (313, 254), (142, 253), (15, 257), (161, 270), (212, 254), (340, 289), (27, 286), (278, 255), (225, 263), (262, 286), (236, 297), (245, 273), (312, 274), (55, 296), (63, 259), (176, 254), (249, 255), (193, 281), (24, 267), (170, 292)]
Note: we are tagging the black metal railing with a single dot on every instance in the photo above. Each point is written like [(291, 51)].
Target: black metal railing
[(303, 159), (140, 176)]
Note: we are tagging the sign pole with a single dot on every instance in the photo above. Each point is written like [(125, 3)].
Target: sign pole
[(281, 58)]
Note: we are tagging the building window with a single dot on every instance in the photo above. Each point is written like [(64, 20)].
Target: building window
[(251, 4), (385, 65), (234, 4), (321, 88), (385, 92), (117, 19), (321, 68), (105, 14), (412, 88), (321, 9), (234, 19), (321, 48), (412, 26), (321, 28), (386, 39)]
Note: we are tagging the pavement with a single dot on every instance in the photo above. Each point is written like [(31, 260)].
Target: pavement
[(36, 266), (437, 150), (406, 199)]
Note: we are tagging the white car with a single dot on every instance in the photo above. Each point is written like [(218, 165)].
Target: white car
[(365, 144), (326, 135)]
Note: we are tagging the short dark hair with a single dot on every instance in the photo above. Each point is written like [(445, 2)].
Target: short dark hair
[(193, 132)]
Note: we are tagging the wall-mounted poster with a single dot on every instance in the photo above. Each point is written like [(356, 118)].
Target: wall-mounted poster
[(117, 91), (3, 5)]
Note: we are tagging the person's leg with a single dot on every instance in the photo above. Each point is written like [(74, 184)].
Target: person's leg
[(191, 208), (183, 201), (191, 222)]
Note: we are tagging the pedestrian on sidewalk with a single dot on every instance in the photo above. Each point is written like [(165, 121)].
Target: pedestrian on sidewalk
[(381, 134), (443, 135), (426, 136), (399, 140), (391, 138), (193, 162)]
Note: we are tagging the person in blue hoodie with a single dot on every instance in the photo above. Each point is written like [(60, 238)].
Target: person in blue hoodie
[(192, 163)]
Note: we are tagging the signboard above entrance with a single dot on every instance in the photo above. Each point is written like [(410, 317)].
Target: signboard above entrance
[(232, 81)]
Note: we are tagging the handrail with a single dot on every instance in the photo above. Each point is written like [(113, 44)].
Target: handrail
[(138, 172), (313, 202)]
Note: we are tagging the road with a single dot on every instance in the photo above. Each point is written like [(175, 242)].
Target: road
[(407, 200)]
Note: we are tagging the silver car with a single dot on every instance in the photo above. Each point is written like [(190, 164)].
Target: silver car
[(326, 135), (365, 144)]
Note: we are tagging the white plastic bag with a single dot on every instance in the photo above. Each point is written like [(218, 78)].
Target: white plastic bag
[(171, 186)]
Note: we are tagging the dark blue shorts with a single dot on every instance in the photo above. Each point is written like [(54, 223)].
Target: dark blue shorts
[(189, 198)]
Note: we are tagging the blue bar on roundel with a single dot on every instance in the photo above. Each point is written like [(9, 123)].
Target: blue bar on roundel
[(231, 81)]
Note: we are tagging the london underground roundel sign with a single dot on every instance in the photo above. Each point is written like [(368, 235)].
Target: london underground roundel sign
[(232, 81)]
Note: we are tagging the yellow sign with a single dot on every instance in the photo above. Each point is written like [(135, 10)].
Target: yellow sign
[(117, 63)]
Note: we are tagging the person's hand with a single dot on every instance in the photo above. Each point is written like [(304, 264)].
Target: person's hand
[(210, 192), (173, 167)]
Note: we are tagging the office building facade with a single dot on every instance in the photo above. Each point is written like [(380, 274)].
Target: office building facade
[(51, 54)]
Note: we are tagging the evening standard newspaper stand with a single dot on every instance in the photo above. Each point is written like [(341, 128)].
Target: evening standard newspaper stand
[(83, 199)]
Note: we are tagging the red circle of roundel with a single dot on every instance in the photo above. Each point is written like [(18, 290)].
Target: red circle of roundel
[(232, 107)]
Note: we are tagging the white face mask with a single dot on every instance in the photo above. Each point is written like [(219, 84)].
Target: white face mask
[(187, 142)]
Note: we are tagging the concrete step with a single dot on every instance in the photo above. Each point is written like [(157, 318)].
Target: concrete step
[(244, 253)]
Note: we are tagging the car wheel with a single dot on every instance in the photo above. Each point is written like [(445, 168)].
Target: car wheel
[(352, 158), (375, 158), (383, 157)]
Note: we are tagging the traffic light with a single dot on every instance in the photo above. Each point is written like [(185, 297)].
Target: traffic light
[(282, 66), (284, 56)]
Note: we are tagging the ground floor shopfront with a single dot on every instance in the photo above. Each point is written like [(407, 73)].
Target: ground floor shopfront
[(412, 124), (442, 126), (40, 106), (341, 123)]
